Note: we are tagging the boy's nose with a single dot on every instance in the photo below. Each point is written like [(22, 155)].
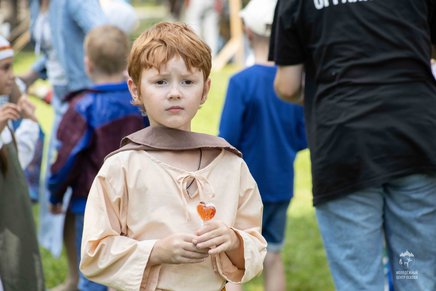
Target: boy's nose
[(174, 92)]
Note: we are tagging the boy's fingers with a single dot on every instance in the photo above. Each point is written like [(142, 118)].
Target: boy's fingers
[(210, 243), (195, 255), (209, 227), (202, 251), (191, 247), (218, 248)]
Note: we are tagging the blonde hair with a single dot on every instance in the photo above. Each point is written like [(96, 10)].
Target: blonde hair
[(163, 41), (107, 47)]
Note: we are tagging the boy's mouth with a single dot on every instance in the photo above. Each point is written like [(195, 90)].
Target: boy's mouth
[(174, 109)]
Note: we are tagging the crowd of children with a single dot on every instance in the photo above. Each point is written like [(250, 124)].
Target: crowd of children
[(268, 131)]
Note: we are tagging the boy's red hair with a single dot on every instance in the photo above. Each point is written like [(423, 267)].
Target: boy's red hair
[(165, 40)]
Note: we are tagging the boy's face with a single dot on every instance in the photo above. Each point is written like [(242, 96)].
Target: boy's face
[(6, 76), (172, 96)]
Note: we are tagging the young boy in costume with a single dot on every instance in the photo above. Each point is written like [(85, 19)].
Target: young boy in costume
[(93, 126), (142, 230), (268, 131), (20, 261)]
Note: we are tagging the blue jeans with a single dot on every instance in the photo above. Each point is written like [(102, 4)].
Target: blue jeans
[(354, 228), (84, 283)]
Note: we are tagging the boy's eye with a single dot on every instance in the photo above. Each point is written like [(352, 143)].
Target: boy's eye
[(187, 82), (161, 82)]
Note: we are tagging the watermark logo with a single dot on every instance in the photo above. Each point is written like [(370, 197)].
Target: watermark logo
[(407, 261)]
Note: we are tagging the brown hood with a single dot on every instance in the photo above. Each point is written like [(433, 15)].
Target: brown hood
[(161, 138)]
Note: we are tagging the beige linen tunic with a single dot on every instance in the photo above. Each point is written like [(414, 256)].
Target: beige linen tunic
[(137, 199)]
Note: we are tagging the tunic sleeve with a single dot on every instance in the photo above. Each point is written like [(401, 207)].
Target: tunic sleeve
[(110, 257), (248, 225)]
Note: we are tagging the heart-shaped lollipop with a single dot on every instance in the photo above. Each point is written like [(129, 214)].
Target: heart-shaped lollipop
[(206, 210)]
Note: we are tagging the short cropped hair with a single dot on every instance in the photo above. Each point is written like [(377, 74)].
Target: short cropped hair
[(163, 41), (107, 47)]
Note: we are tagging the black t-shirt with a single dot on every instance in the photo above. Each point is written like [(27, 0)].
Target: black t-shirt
[(370, 96)]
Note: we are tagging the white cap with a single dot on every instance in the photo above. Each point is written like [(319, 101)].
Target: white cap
[(120, 14), (6, 50), (258, 16)]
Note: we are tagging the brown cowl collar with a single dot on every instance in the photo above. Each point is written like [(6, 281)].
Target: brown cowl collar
[(161, 138)]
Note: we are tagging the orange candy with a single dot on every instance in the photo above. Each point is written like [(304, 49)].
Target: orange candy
[(206, 210)]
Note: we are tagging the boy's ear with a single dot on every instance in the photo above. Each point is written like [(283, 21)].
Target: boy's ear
[(88, 65), (134, 91), (206, 89)]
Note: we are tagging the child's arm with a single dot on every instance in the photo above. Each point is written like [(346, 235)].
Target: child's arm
[(108, 255), (74, 135)]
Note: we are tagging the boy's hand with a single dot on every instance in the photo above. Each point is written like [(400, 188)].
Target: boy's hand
[(27, 108), (177, 249), (9, 111), (217, 237)]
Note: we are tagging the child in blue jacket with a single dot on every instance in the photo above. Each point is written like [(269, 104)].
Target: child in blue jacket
[(268, 131), (96, 120)]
